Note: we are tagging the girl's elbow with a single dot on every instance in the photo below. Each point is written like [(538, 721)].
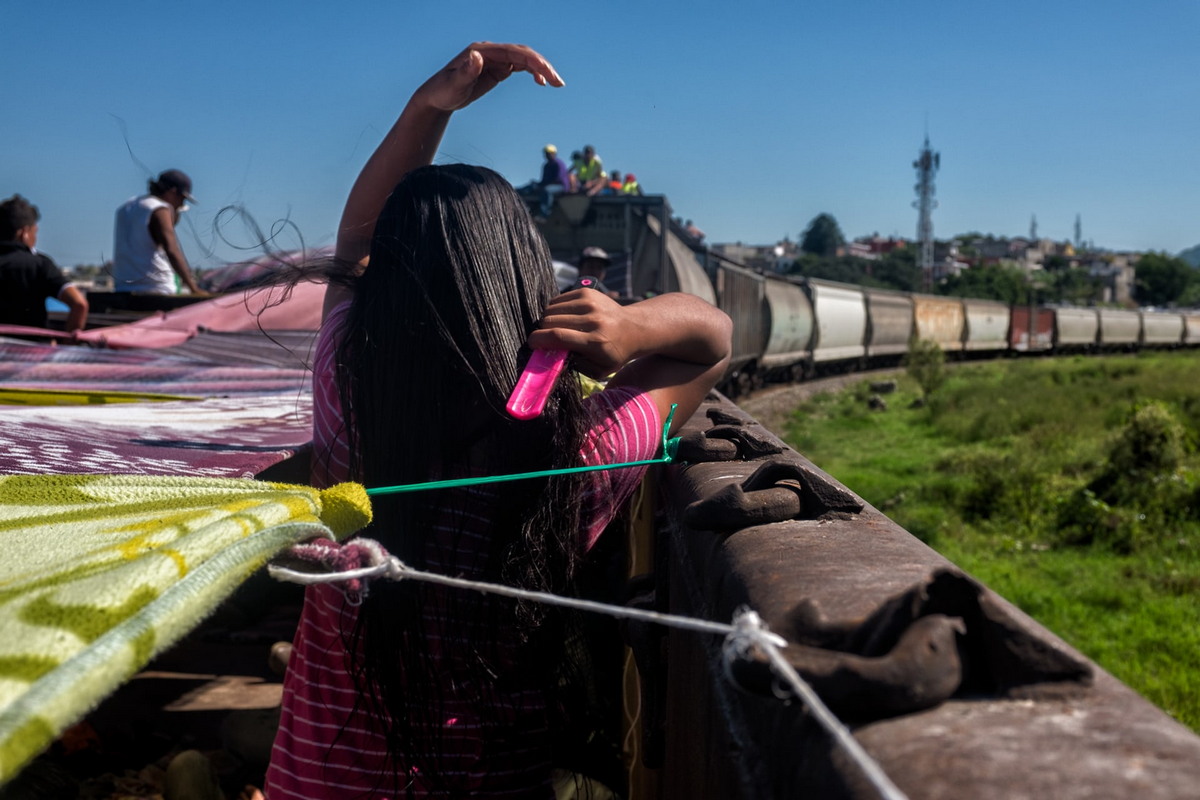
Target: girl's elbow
[(723, 335)]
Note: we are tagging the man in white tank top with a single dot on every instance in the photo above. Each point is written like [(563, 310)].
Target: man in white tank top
[(146, 252)]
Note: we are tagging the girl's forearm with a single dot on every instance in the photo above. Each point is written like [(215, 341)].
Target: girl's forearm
[(679, 326), (412, 142)]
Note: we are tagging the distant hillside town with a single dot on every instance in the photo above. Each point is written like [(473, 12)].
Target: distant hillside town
[(1015, 270), (1022, 270)]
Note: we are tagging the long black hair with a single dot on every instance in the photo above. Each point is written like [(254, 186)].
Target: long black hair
[(433, 343)]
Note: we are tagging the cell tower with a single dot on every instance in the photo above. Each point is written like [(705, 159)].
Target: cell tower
[(927, 165)]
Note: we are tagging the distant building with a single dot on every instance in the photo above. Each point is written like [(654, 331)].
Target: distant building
[(874, 247), (1116, 270), (777, 257)]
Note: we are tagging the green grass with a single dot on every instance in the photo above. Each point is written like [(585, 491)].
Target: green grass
[(992, 472)]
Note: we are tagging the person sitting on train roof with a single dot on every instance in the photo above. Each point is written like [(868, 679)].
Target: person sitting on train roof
[(590, 172), (614, 184), (554, 181), (28, 277), (573, 170), (630, 185)]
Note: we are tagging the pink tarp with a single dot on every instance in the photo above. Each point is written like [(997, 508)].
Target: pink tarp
[(267, 309), (257, 406)]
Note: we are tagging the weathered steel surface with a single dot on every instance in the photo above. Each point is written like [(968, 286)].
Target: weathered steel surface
[(1076, 328), (986, 325), (891, 315), (681, 273), (1161, 328), (1192, 334), (1119, 328), (949, 687), (790, 321), (939, 319), (740, 294), (1032, 329)]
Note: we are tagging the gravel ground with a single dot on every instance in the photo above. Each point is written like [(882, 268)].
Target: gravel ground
[(773, 405)]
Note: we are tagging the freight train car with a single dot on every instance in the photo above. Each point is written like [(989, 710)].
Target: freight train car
[(1191, 329), (1076, 329), (741, 294), (1031, 329), (789, 322), (986, 326), (939, 320), (840, 329), (1119, 329), (890, 325), (1161, 329)]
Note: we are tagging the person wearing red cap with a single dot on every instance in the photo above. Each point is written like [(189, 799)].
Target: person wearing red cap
[(147, 256)]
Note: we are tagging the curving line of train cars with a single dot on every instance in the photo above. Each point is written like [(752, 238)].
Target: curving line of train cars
[(788, 328)]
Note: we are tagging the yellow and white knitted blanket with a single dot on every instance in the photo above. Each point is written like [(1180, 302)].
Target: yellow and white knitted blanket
[(102, 572)]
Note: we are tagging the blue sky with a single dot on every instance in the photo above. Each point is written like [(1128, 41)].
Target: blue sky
[(752, 117)]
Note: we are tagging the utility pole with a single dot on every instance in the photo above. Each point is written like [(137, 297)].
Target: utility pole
[(926, 165), (1078, 234), (1033, 229)]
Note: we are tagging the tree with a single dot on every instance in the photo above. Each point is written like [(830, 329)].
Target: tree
[(1160, 279), (833, 268), (898, 270), (1074, 285), (822, 237), (1006, 284)]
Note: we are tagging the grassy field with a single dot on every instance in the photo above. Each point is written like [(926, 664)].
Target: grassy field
[(1071, 486)]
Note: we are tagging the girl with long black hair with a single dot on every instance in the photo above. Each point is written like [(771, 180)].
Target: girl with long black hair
[(421, 691)]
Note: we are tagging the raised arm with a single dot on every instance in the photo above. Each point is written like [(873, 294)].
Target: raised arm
[(675, 346), (414, 138)]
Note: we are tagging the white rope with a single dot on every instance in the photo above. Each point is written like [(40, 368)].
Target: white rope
[(395, 569), (747, 632)]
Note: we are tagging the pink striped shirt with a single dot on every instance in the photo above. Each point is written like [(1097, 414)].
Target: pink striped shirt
[(328, 748)]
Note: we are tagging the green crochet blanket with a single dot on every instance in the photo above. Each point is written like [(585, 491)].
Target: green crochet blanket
[(103, 572)]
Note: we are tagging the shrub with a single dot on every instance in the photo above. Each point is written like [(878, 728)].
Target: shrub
[(1142, 492), (1084, 519), (1147, 452), (925, 363)]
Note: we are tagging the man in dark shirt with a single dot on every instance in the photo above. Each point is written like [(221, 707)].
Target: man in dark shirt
[(555, 179), (27, 277)]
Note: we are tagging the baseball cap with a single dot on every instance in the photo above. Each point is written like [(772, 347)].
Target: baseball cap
[(177, 179), (594, 252)]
